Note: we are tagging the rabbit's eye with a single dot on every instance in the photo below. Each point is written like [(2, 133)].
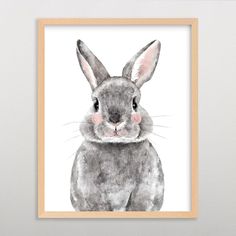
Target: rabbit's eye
[(135, 105), (96, 105)]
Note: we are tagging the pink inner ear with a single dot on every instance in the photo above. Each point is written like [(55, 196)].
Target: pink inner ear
[(88, 71), (146, 62)]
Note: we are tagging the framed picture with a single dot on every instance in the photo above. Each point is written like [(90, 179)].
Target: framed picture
[(117, 118)]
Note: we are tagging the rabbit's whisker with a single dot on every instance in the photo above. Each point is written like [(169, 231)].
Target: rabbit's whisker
[(73, 137), (74, 123), (161, 116), (77, 130), (158, 135), (163, 126), (71, 155)]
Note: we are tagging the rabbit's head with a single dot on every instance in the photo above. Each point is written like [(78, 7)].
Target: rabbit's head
[(116, 115)]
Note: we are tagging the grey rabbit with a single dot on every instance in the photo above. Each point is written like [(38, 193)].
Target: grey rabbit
[(116, 168)]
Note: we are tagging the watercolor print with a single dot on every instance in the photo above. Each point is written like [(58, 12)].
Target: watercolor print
[(117, 121), (116, 167)]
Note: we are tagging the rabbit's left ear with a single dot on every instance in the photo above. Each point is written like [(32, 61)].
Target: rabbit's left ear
[(142, 66)]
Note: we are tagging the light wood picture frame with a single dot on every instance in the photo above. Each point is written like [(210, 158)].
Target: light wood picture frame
[(192, 23)]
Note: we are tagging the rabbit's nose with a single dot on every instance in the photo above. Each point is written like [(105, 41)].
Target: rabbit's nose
[(114, 117)]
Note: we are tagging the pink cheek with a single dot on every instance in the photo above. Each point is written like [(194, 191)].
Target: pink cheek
[(136, 118), (96, 119)]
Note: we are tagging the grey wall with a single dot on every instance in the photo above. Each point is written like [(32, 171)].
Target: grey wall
[(18, 110)]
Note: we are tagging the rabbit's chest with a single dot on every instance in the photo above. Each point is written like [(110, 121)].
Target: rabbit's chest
[(114, 169), (107, 175), (112, 175), (110, 171)]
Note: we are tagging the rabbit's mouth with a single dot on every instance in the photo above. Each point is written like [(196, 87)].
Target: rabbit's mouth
[(116, 130), (116, 127), (119, 132)]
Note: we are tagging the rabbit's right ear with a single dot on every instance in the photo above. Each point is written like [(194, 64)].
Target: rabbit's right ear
[(142, 65), (93, 69)]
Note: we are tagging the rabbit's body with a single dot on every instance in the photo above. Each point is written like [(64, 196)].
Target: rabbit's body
[(117, 177), (117, 168)]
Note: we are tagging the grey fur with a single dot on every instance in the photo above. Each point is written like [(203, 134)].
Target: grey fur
[(122, 172), (99, 70)]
